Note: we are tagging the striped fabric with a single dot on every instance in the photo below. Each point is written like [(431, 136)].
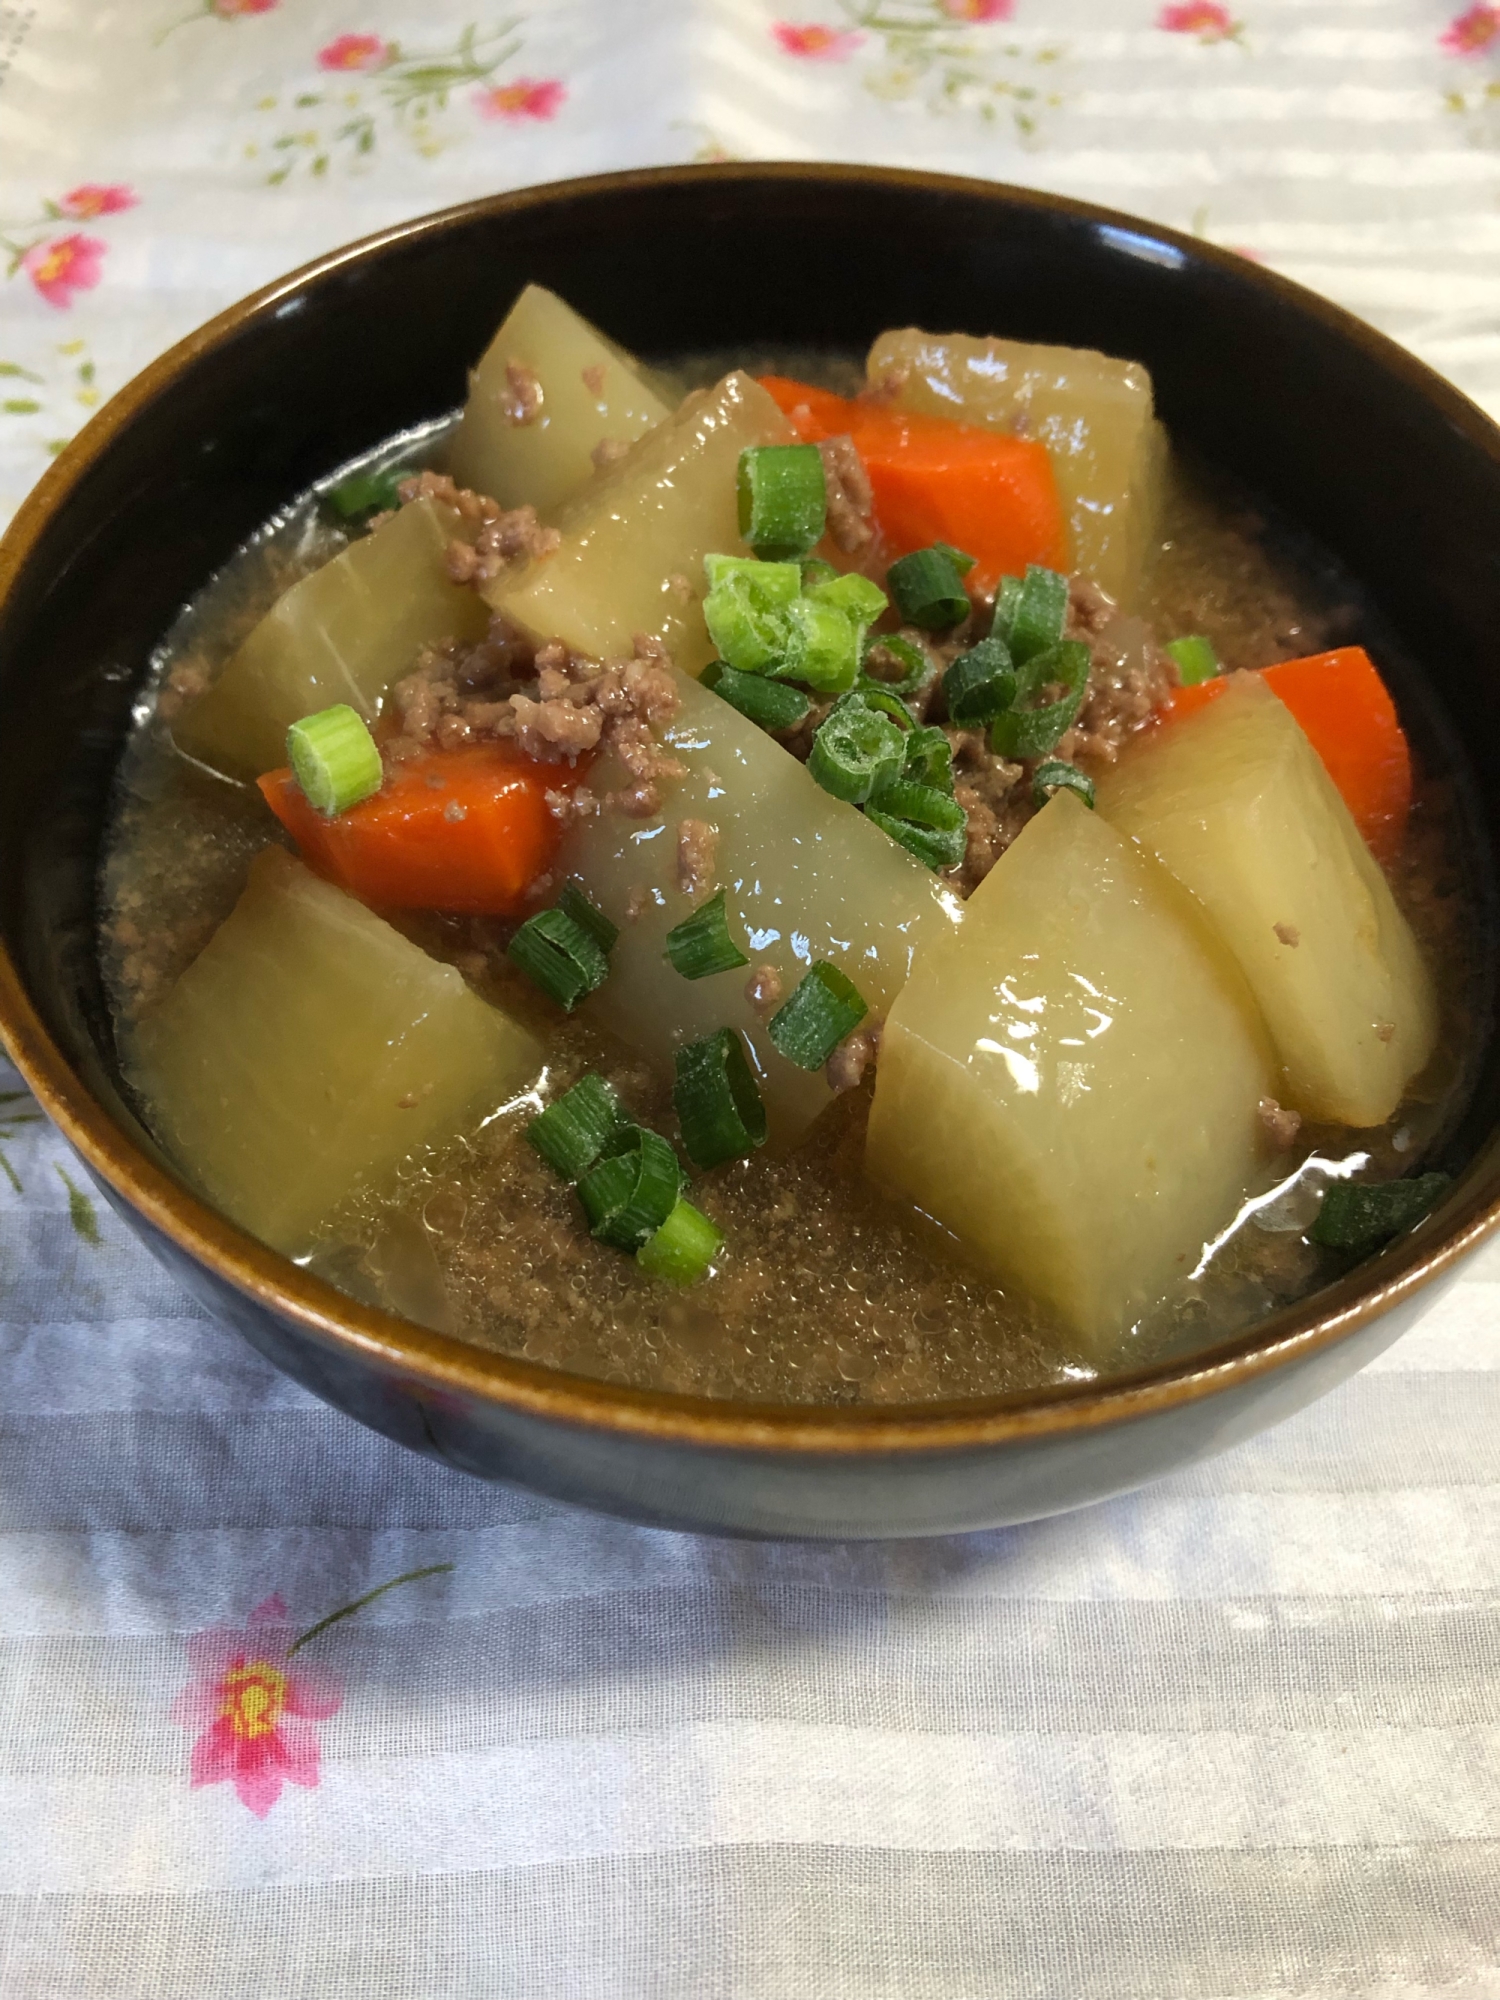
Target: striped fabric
[(1230, 1739)]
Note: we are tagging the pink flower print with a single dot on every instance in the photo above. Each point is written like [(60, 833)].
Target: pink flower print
[(254, 1713), (525, 98), (1206, 19), (91, 199), (226, 10), (356, 52), (1471, 33), (66, 265), (979, 10), (814, 43)]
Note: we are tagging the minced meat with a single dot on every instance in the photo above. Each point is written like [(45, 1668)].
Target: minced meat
[(507, 536), (851, 501)]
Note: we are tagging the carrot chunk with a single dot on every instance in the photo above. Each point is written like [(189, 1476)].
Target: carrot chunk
[(465, 830), (983, 491), (1347, 714)]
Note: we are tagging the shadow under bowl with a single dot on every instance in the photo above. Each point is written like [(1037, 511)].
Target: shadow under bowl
[(1388, 467)]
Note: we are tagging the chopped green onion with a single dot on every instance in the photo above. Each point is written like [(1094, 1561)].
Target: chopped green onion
[(1056, 776), (816, 571), (1028, 730), (928, 823), (559, 955), (860, 600), (683, 1248), (1041, 612), (1359, 1218), (822, 647), (1196, 659), (919, 669), (701, 945), (772, 704), (1006, 599), (572, 1133), (367, 493), (750, 634), (783, 499), (628, 1196), (769, 583), (929, 589), (961, 562), (334, 759), (588, 916), (826, 1007), (929, 759), (717, 1100), (855, 749), (873, 695), (981, 683)]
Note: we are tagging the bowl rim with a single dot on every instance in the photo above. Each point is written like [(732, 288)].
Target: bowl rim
[(441, 1365)]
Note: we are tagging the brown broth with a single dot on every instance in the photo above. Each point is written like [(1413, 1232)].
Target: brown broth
[(828, 1294)]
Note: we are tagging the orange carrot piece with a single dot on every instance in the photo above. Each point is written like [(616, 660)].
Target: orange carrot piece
[(1347, 714), (993, 495), (465, 830)]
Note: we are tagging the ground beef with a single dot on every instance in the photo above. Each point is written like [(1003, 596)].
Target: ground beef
[(505, 537), (1288, 934), (764, 990), (845, 1068), (593, 379), (523, 398), (697, 858), (1130, 677), (851, 503), (1282, 1125)]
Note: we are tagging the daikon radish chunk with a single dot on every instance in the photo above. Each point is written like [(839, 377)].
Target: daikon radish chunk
[(1094, 415), (309, 1049), (345, 633), (1070, 1082), (1237, 803), (549, 390), (805, 878), (634, 540)]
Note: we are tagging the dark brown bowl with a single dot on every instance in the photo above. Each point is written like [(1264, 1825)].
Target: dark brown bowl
[(1391, 469)]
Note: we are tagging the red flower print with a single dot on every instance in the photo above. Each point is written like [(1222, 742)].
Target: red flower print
[(1206, 19), (979, 10), (356, 52), (228, 9), (525, 98), (1472, 33), (66, 265), (814, 43), (90, 200), (254, 1713)]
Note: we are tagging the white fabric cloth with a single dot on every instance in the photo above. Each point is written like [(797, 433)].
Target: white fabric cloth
[(1233, 1738)]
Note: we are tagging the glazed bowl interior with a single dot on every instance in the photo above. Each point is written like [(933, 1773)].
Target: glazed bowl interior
[(1393, 472)]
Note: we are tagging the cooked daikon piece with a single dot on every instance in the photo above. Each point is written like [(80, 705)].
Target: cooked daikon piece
[(548, 392), (1238, 805), (805, 878), (1094, 415), (634, 540), (1070, 1082), (309, 1049), (343, 634)]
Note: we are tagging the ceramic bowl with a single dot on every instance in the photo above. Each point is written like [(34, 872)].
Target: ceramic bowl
[(1384, 463)]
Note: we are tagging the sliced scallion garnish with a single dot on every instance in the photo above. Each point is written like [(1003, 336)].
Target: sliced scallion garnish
[(822, 647), (816, 571), (588, 916), (1029, 727), (1358, 1217), (826, 1007), (1041, 612), (886, 700), (860, 600), (929, 759), (367, 493), (981, 683), (783, 499), (919, 669), (629, 1195), (1007, 597), (771, 704), (1055, 776), (717, 1100), (855, 749), (962, 562), (334, 759), (701, 945), (749, 632), (928, 587), (927, 822), (683, 1248), (1195, 658), (573, 1132), (559, 955)]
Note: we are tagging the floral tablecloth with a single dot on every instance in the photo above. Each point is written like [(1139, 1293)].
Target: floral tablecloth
[(285, 1711)]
